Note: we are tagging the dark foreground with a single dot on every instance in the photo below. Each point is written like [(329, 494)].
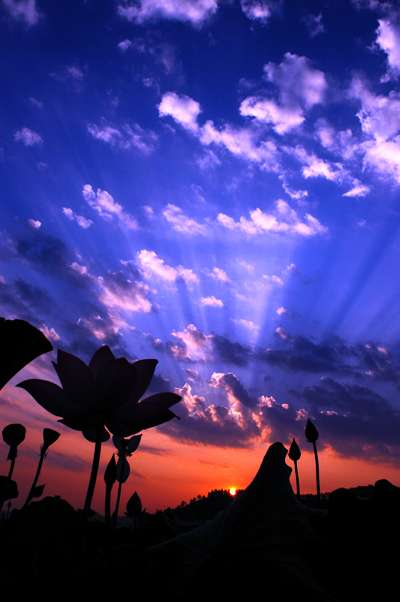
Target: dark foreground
[(264, 544)]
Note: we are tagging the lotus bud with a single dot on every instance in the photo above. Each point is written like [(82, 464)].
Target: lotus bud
[(110, 474), (311, 432), (13, 435), (294, 451), (134, 506), (49, 437)]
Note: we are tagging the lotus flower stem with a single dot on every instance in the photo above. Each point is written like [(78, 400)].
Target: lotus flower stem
[(109, 479), (317, 473), (49, 437), (312, 436), (35, 480), (13, 435), (115, 517), (295, 454), (93, 474), (10, 472), (296, 470)]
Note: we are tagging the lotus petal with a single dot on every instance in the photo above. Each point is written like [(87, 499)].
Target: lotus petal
[(129, 445), (76, 379), (123, 469), (145, 371), (141, 420), (52, 398), (102, 356), (114, 384), (133, 443), (158, 400)]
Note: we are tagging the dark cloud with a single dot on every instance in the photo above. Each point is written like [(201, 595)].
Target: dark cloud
[(354, 420), (379, 363), (230, 352), (298, 353), (232, 385)]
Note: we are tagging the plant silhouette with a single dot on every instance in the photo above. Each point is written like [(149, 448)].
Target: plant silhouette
[(265, 534), (312, 436), (125, 448), (100, 398), (22, 343), (13, 435), (49, 437), (294, 455)]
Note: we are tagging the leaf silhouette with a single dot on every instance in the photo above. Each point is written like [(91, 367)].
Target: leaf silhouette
[(264, 534), (21, 343)]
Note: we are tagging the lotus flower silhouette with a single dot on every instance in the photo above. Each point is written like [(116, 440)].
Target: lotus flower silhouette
[(103, 395)]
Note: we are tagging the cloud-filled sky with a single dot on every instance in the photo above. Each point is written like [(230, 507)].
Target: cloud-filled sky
[(215, 184)]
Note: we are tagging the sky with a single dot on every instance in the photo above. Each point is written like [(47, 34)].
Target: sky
[(213, 184)]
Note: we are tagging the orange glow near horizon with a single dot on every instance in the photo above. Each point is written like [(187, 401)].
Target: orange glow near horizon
[(164, 471)]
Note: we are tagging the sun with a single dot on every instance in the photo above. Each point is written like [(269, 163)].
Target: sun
[(232, 491)]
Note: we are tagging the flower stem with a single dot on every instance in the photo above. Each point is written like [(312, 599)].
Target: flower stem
[(35, 480), (10, 472), (93, 474), (115, 515), (317, 474), (297, 479)]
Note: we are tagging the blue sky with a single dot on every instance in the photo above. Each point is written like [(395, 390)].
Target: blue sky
[(214, 184)]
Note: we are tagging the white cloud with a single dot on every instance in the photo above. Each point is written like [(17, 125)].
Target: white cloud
[(384, 157), (242, 142), (218, 274), (75, 73), (28, 137), (258, 10), (23, 10), (182, 109), (49, 333), (193, 11), (125, 45), (314, 167), (380, 120), (249, 324), (193, 344), (181, 223), (298, 82), (299, 87), (388, 38), (125, 137), (102, 202), (341, 142), (211, 301), (379, 115), (34, 223), (283, 118), (119, 293), (314, 24), (80, 220), (152, 265), (358, 190), (283, 220)]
